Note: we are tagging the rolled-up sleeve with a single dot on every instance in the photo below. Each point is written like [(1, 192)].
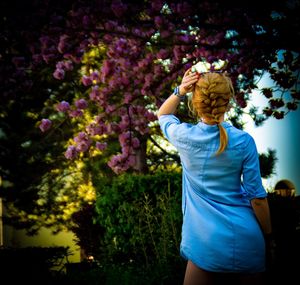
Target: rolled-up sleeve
[(252, 182)]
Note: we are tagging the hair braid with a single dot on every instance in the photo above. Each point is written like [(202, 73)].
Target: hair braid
[(210, 101)]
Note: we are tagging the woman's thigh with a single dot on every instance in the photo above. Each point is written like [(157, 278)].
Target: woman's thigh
[(197, 276)]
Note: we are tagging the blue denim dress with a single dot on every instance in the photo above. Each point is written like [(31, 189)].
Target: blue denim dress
[(220, 232)]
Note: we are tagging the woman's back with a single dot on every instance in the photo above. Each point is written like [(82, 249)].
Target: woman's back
[(216, 177)]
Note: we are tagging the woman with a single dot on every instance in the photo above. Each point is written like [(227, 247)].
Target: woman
[(225, 209)]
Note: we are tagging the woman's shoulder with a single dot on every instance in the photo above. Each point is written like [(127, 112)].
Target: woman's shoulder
[(240, 136)]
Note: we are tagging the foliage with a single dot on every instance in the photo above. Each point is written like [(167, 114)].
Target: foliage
[(141, 218), (83, 79), (267, 163), (89, 235), (60, 194)]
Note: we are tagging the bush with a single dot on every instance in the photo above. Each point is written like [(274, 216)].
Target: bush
[(141, 217)]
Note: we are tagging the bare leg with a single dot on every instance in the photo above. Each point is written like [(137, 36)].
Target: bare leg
[(197, 276)]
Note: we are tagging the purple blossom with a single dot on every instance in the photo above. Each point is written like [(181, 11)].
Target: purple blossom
[(59, 74), (165, 34), (71, 152), (80, 137), (150, 116), (68, 65), (108, 38), (124, 138), (101, 146), (45, 41), (159, 21), (37, 58), (86, 80), (86, 21), (48, 57), (95, 75), (82, 141), (163, 54), (157, 5), (94, 95), (135, 143), (184, 38), (127, 98), (83, 146), (75, 113), (60, 65), (96, 129), (106, 69), (81, 104), (131, 160), (63, 46), (118, 8), (110, 108), (110, 25), (63, 106), (45, 125)]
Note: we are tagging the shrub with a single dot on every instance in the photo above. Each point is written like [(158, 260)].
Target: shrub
[(141, 217)]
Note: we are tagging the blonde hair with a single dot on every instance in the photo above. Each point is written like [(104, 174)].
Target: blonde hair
[(210, 101)]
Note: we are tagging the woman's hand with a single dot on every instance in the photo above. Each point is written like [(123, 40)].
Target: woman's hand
[(188, 82)]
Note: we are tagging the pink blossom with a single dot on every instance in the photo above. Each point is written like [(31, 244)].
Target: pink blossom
[(94, 95), (86, 20), (157, 4), (68, 65), (159, 21), (59, 74), (82, 141), (81, 104), (101, 146), (127, 98), (131, 160), (86, 80), (45, 125), (110, 108), (63, 106), (106, 69), (81, 136), (63, 45), (75, 113), (124, 137), (83, 146), (95, 75), (163, 54), (96, 129), (110, 25), (165, 34), (135, 143), (71, 152), (118, 8)]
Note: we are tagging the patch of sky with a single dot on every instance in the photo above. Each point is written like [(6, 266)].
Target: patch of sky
[(281, 135)]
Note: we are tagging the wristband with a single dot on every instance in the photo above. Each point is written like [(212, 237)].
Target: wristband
[(176, 93)]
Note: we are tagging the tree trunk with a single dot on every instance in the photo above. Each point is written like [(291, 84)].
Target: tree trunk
[(141, 156)]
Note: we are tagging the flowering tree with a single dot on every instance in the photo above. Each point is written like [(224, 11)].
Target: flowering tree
[(92, 74), (142, 50)]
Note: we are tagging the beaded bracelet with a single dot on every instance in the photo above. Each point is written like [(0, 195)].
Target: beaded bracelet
[(176, 93)]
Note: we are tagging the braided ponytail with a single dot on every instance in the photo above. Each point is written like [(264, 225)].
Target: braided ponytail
[(223, 139), (210, 101)]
